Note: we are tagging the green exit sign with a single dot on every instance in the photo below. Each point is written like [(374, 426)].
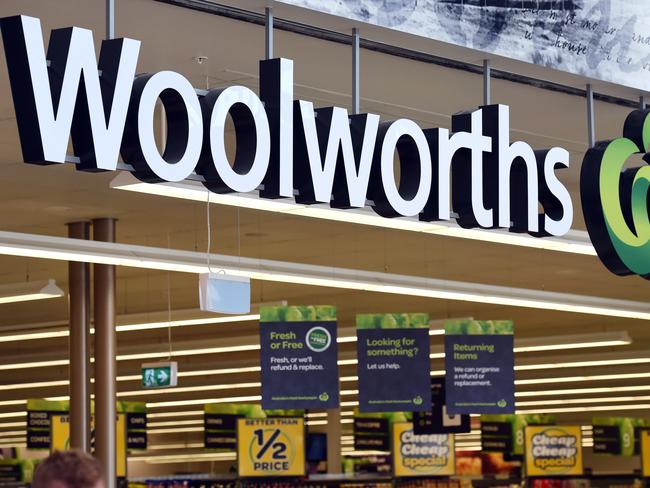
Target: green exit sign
[(160, 375)]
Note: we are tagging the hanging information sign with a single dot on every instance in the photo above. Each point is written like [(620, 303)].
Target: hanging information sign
[(271, 447), (480, 366), (422, 455), (554, 450), (298, 357), (390, 349)]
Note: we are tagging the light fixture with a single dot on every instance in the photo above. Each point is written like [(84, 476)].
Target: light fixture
[(182, 403), (583, 364), (524, 345), (582, 391), (8, 415), (188, 413), (598, 408), (138, 326), (578, 379), (61, 248), (13, 433), (576, 242), (174, 423), (579, 341), (569, 401), (161, 447), (180, 430), (29, 290)]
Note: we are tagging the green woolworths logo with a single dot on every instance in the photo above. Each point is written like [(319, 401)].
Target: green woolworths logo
[(318, 339), (615, 198)]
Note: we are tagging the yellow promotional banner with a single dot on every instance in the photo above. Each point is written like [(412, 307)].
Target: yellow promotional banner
[(60, 435), (120, 445), (271, 447), (645, 453), (422, 455), (554, 450)]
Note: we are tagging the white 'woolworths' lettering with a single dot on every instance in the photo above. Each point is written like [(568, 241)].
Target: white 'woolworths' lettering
[(283, 148)]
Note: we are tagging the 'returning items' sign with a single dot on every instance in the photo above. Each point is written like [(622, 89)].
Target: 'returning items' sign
[(480, 366), (394, 365), (554, 450), (422, 455), (271, 447), (299, 357)]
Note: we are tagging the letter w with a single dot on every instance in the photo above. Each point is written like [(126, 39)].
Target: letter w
[(68, 94), (339, 153)]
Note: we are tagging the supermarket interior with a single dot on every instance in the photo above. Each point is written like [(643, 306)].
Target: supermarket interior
[(310, 243)]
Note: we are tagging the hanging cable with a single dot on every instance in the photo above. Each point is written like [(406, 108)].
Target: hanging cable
[(169, 305)]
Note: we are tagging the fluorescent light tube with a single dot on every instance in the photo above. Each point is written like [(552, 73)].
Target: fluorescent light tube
[(577, 379), (576, 242), (568, 401), (27, 336), (30, 290), (582, 391), (61, 248), (598, 408)]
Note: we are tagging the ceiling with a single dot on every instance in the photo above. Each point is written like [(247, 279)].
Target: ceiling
[(42, 200)]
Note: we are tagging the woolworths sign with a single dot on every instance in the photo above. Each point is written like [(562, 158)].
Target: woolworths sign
[(285, 148)]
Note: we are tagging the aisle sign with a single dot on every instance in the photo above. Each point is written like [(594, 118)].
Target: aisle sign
[(506, 433), (554, 450), (60, 434), (645, 453), (39, 413), (219, 428), (298, 356), (136, 424), (617, 435), (393, 362), (422, 455), (480, 366), (438, 421), (371, 434), (271, 447)]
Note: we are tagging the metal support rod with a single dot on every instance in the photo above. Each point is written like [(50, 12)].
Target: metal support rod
[(79, 377), (105, 348), (334, 465), (642, 104), (355, 71), (591, 131), (269, 33), (487, 82)]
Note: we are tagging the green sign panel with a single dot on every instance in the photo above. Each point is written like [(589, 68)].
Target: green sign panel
[(159, 375)]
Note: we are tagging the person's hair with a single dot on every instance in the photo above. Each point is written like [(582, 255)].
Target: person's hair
[(68, 469)]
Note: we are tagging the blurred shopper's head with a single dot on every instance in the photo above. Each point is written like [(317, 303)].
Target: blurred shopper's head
[(69, 469)]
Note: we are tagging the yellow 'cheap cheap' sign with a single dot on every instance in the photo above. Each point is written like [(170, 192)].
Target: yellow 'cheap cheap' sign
[(60, 438), (553, 450), (271, 447), (422, 455)]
